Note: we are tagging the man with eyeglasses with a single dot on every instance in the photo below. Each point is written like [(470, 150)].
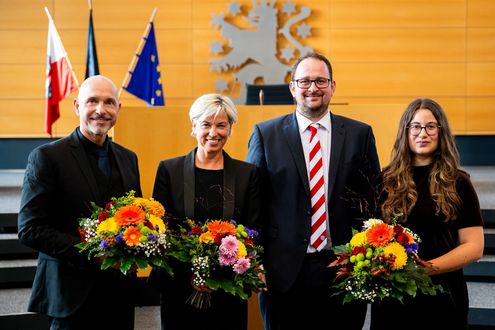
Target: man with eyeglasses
[(298, 294)]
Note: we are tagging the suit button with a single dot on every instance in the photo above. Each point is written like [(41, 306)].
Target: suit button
[(305, 240), (308, 213)]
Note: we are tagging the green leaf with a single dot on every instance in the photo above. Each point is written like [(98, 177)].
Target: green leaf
[(126, 264)]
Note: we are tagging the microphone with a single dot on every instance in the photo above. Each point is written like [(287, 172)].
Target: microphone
[(261, 96)]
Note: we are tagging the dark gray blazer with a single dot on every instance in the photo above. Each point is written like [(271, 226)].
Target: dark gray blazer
[(58, 187), (275, 148)]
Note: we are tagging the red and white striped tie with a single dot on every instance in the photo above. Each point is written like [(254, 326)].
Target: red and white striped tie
[(317, 189)]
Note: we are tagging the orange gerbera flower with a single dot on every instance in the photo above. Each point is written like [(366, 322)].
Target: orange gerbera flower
[(379, 235), (132, 236), (129, 215), (220, 229)]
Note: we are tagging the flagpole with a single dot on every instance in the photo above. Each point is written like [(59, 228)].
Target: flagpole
[(140, 46), (67, 57), (48, 14)]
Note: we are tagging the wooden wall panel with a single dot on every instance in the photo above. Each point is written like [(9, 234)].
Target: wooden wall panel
[(481, 79), (455, 107), (22, 81), (481, 115), (19, 49), (480, 46), (382, 51), (21, 117), (394, 14), (400, 79), (24, 14), (320, 40), (480, 13), (123, 14), (398, 45)]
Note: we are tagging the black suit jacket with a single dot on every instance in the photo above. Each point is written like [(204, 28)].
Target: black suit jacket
[(59, 185), (174, 188), (275, 147)]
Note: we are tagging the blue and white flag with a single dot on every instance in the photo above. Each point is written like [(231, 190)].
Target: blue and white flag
[(146, 81)]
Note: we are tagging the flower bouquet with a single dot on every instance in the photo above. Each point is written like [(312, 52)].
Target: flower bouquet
[(128, 233), (380, 262), (222, 255)]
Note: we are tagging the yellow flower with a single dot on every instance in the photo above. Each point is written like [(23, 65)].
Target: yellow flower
[(156, 221), (206, 238), (108, 225), (242, 250), (359, 239), (150, 205), (399, 252)]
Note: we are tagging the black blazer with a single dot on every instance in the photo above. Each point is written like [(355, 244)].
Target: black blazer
[(58, 187), (174, 188), (275, 148)]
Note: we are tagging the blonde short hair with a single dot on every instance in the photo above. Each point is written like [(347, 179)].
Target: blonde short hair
[(209, 105)]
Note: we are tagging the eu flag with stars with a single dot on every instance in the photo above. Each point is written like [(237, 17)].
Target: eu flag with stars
[(146, 81)]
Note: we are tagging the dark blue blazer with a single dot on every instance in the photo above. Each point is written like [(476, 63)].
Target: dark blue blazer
[(275, 148), (58, 187)]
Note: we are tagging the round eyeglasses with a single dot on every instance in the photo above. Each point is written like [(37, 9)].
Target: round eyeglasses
[(305, 83), (430, 129)]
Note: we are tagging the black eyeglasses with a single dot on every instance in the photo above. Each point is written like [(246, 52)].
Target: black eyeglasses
[(305, 83), (430, 128)]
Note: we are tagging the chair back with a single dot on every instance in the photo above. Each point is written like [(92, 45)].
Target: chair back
[(272, 94)]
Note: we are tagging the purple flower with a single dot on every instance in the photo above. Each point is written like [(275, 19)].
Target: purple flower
[(103, 244), (252, 233), (120, 237), (410, 248)]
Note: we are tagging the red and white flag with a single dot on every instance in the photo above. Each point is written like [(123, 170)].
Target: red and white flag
[(60, 79)]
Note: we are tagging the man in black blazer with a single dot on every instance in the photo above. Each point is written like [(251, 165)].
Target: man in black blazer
[(61, 180), (298, 292)]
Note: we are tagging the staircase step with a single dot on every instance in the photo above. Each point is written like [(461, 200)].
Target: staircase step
[(17, 273), (8, 222), (482, 270), (481, 318), (489, 241), (11, 248), (24, 321), (488, 217)]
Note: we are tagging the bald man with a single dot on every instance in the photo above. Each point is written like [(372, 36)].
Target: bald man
[(61, 180)]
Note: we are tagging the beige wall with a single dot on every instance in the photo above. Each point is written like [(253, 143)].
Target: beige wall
[(383, 52)]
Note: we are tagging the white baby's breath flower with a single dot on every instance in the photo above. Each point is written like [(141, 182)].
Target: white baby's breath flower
[(371, 223)]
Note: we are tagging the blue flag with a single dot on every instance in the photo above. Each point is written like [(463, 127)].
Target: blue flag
[(146, 81), (92, 68)]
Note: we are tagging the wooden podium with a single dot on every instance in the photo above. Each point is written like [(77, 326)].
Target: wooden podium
[(157, 133)]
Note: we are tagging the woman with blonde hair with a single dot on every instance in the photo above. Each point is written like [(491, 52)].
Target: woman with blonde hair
[(203, 185)]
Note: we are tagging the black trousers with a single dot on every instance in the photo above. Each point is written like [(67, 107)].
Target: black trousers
[(309, 303)]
